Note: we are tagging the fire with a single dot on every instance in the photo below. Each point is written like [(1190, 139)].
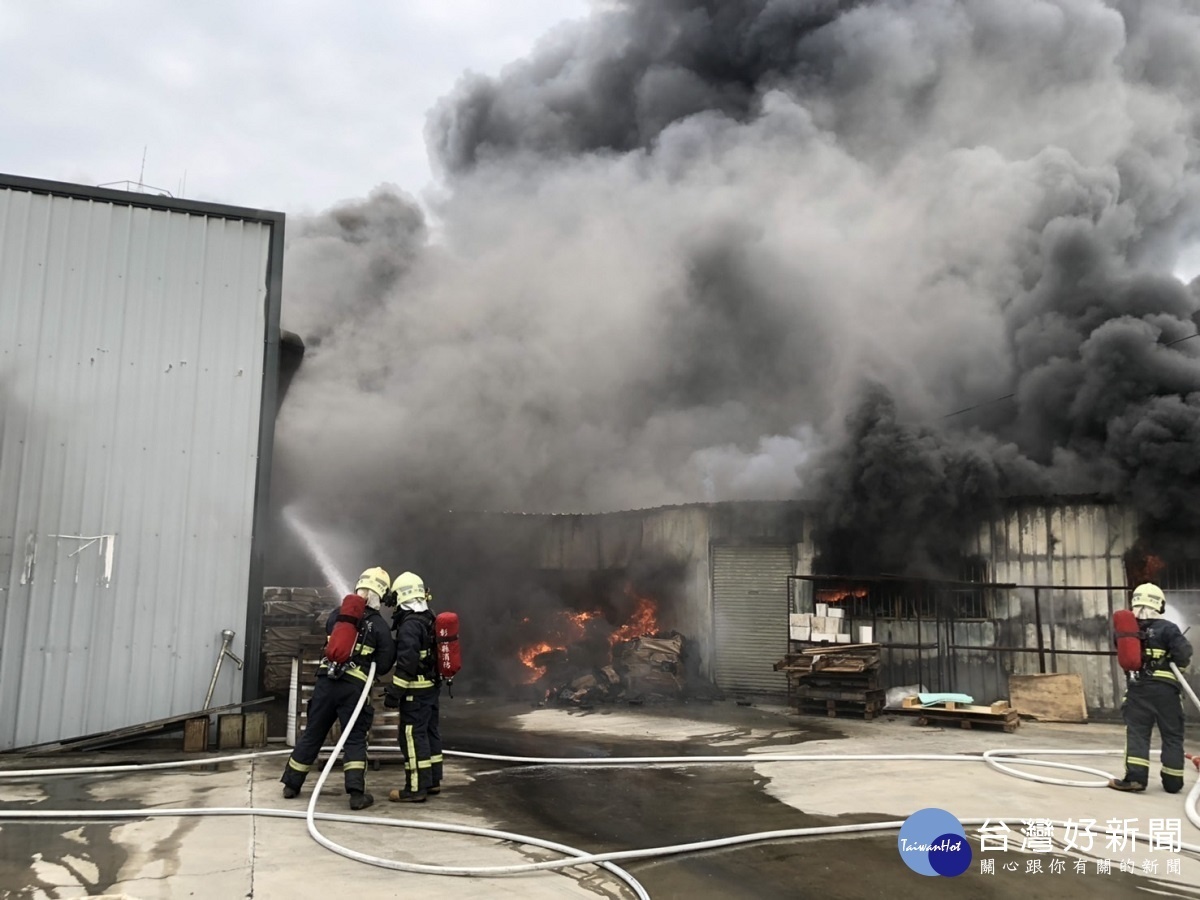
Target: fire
[(579, 621), (1148, 567), (837, 595), (529, 654), (643, 621), (567, 627)]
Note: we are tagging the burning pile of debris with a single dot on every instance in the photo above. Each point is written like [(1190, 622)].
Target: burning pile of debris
[(578, 663), (648, 668)]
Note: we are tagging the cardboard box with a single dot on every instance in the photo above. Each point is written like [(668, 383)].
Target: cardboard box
[(800, 620), (822, 609), (866, 634), (823, 637), (842, 638), (800, 633), (836, 612)]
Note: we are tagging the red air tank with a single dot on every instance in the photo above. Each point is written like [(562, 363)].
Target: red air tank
[(344, 636), (1127, 631), (445, 636)]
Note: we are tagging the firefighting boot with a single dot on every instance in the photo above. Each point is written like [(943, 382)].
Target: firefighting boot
[(1119, 784), (360, 799), (290, 793), (407, 796)]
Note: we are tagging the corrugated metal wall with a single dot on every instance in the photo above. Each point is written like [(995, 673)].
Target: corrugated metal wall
[(131, 386), (1078, 549), (750, 610)]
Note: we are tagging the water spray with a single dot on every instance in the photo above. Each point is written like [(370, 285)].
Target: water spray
[(316, 551)]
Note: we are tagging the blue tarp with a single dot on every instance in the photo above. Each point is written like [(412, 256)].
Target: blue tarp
[(934, 699)]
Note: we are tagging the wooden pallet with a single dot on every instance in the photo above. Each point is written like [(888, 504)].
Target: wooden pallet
[(846, 659), (867, 681), (848, 693), (998, 715), (839, 708)]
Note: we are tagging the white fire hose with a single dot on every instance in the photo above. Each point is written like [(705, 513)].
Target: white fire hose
[(574, 857)]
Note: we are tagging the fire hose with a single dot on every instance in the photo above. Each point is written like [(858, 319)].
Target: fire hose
[(1002, 760)]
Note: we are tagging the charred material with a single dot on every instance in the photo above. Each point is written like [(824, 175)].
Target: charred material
[(654, 668)]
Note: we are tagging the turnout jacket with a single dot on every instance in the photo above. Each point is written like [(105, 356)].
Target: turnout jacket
[(414, 650), (375, 644), (1162, 643)]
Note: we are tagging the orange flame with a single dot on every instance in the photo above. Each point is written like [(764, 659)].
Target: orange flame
[(837, 595), (1148, 567), (567, 627), (643, 621), (527, 656)]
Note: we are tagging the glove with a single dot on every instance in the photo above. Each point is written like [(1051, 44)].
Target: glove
[(391, 699)]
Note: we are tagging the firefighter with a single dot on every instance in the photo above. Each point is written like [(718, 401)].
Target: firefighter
[(1153, 696), (414, 691), (334, 698)]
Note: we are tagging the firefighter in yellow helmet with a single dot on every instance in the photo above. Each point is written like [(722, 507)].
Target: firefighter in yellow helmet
[(337, 691), (1153, 696), (415, 690)]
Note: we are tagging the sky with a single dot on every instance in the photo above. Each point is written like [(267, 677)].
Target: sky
[(240, 103)]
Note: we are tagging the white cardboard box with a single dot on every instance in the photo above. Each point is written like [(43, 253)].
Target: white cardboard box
[(820, 623), (822, 609), (800, 633), (824, 636), (842, 638), (835, 612), (866, 634), (800, 620)]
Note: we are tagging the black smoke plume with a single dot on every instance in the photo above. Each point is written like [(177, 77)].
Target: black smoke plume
[(683, 244)]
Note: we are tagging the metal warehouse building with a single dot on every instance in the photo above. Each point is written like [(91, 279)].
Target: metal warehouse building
[(139, 343)]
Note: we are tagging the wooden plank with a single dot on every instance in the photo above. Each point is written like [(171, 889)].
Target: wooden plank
[(1056, 697), (1007, 723), (230, 729), (195, 735), (256, 730), (131, 732), (912, 704)]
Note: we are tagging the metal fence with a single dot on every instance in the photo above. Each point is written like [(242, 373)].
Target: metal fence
[(969, 637)]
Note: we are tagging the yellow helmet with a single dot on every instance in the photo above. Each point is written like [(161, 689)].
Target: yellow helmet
[(375, 579), (1150, 596), (410, 591)]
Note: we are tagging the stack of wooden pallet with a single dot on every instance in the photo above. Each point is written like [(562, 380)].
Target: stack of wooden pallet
[(838, 680), (385, 727), (998, 715)]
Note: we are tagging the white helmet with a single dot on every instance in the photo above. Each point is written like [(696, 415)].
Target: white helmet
[(1149, 597), (410, 592), (375, 582)]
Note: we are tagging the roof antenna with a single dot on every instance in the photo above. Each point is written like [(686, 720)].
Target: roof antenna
[(142, 173)]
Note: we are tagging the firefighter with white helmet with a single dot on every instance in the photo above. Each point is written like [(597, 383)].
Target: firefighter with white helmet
[(415, 691), (1153, 695), (337, 692)]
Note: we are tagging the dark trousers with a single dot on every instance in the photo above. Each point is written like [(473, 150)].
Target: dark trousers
[(418, 730), (1149, 702), (333, 700)]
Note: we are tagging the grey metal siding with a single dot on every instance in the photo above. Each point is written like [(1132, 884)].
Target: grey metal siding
[(750, 610), (1076, 550), (132, 386)]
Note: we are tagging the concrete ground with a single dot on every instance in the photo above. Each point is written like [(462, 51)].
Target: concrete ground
[(599, 809)]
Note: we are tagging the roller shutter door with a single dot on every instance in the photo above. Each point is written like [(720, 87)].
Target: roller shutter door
[(750, 609)]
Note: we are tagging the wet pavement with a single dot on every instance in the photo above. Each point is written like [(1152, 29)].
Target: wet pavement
[(596, 809)]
